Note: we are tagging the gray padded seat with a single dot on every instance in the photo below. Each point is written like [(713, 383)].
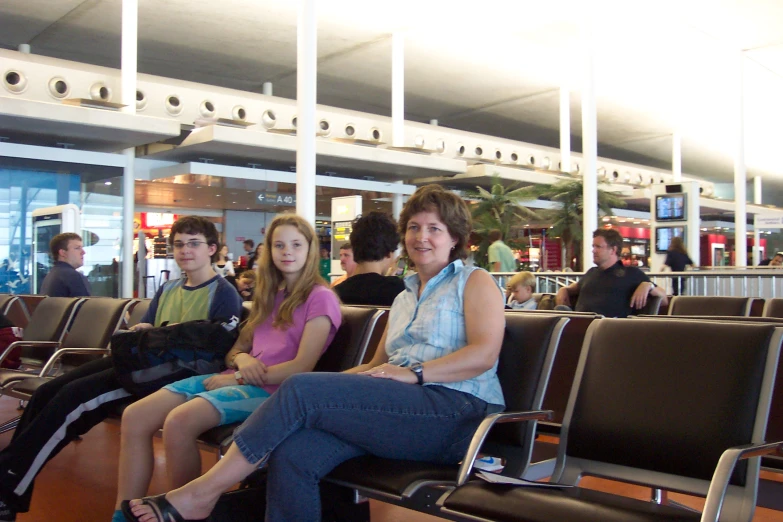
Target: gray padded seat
[(45, 330), (712, 305)]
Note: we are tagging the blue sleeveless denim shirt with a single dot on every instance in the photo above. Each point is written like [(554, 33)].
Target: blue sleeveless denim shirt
[(428, 328)]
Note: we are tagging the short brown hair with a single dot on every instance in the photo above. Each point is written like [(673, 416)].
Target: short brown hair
[(196, 225), (612, 238), (346, 246), (60, 242), (248, 274), (451, 209), (495, 234)]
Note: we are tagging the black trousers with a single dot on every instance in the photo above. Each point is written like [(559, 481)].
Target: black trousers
[(58, 412)]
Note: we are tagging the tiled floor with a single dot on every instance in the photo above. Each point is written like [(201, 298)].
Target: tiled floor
[(79, 484)]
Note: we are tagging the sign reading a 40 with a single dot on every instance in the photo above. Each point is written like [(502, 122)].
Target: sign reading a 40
[(273, 198)]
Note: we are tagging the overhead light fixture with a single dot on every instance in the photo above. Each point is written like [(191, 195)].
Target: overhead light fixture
[(107, 182)]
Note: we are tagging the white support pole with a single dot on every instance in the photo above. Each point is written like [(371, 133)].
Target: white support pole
[(306, 77), (756, 231), (398, 89), (129, 60), (740, 175), (396, 204), (266, 88), (565, 129), (676, 156), (589, 154)]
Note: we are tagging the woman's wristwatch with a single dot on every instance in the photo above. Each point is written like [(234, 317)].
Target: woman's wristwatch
[(238, 377), (418, 370)]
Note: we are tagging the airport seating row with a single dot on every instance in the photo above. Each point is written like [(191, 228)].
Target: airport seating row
[(550, 351), (684, 410)]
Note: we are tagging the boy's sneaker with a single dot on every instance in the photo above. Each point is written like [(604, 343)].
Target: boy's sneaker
[(489, 464)]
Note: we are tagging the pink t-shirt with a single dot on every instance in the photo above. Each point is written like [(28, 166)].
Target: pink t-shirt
[(276, 345)]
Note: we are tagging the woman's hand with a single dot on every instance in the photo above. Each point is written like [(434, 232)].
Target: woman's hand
[(142, 326), (220, 381), (253, 371), (393, 372)]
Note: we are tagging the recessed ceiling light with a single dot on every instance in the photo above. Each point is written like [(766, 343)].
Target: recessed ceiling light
[(107, 183)]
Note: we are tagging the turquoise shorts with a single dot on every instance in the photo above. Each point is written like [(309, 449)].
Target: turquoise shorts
[(234, 403)]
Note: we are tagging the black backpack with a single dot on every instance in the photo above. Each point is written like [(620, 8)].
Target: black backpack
[(147, 360)]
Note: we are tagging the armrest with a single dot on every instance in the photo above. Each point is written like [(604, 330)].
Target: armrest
[(720, 479), (66, 351), (483, 430), (23, 344)]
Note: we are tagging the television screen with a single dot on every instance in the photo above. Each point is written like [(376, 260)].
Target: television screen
[(664, 235), (670, 207)]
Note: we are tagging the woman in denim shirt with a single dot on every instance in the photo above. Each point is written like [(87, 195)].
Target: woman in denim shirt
[(420, 398)]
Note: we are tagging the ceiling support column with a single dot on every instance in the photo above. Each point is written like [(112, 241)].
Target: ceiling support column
[(306, 78), (676, 156), (398, 89), (129, 64), (589, 154), (756, 230), (565, 129), (740, 175)]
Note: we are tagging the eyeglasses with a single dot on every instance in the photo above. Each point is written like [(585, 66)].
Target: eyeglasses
[(179, 245)]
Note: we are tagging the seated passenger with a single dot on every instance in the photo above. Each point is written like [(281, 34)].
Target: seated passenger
[(374, 239), (294, 318), (67, 254), (346, 263), (246, 283), (421, 398), (68, 406), (609, 289), (521, 287)]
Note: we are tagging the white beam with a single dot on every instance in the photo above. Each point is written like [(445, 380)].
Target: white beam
[(756, 232), (676, 157), (740, 175), (589, 151), (398, 89), (129, 55), (565, 129), (85, 157), (279, 176), (306, 79)]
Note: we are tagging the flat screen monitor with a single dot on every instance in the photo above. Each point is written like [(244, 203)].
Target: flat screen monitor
[(664, 235), (670, 207)]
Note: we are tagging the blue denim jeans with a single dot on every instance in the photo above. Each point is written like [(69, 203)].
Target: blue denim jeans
[(315, 421)]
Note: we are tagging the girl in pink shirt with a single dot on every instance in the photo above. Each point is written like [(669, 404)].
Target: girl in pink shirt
[(293, 319)]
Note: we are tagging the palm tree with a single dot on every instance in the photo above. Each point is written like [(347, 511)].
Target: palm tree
[(566, 220), (498, 208)]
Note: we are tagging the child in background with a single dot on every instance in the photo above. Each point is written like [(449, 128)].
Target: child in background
[(293, 319), (521, 287)]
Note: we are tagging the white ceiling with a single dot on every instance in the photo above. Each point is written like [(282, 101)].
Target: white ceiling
[(492, 67)]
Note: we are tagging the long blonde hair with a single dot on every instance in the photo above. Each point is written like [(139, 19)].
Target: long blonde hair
[(269, 279)]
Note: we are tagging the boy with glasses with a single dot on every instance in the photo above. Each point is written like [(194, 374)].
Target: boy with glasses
[(68, 406)]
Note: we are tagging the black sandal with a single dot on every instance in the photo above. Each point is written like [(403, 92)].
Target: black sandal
[(164, 511)]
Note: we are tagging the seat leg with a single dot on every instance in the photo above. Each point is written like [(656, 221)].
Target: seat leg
[(660, 496), (10, 424)]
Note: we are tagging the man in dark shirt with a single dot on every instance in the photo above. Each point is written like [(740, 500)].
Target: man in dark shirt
[(609, 289), (67, 252), (374, 239)]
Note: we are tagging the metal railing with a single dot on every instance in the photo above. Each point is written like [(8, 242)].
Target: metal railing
[(761, 282)]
